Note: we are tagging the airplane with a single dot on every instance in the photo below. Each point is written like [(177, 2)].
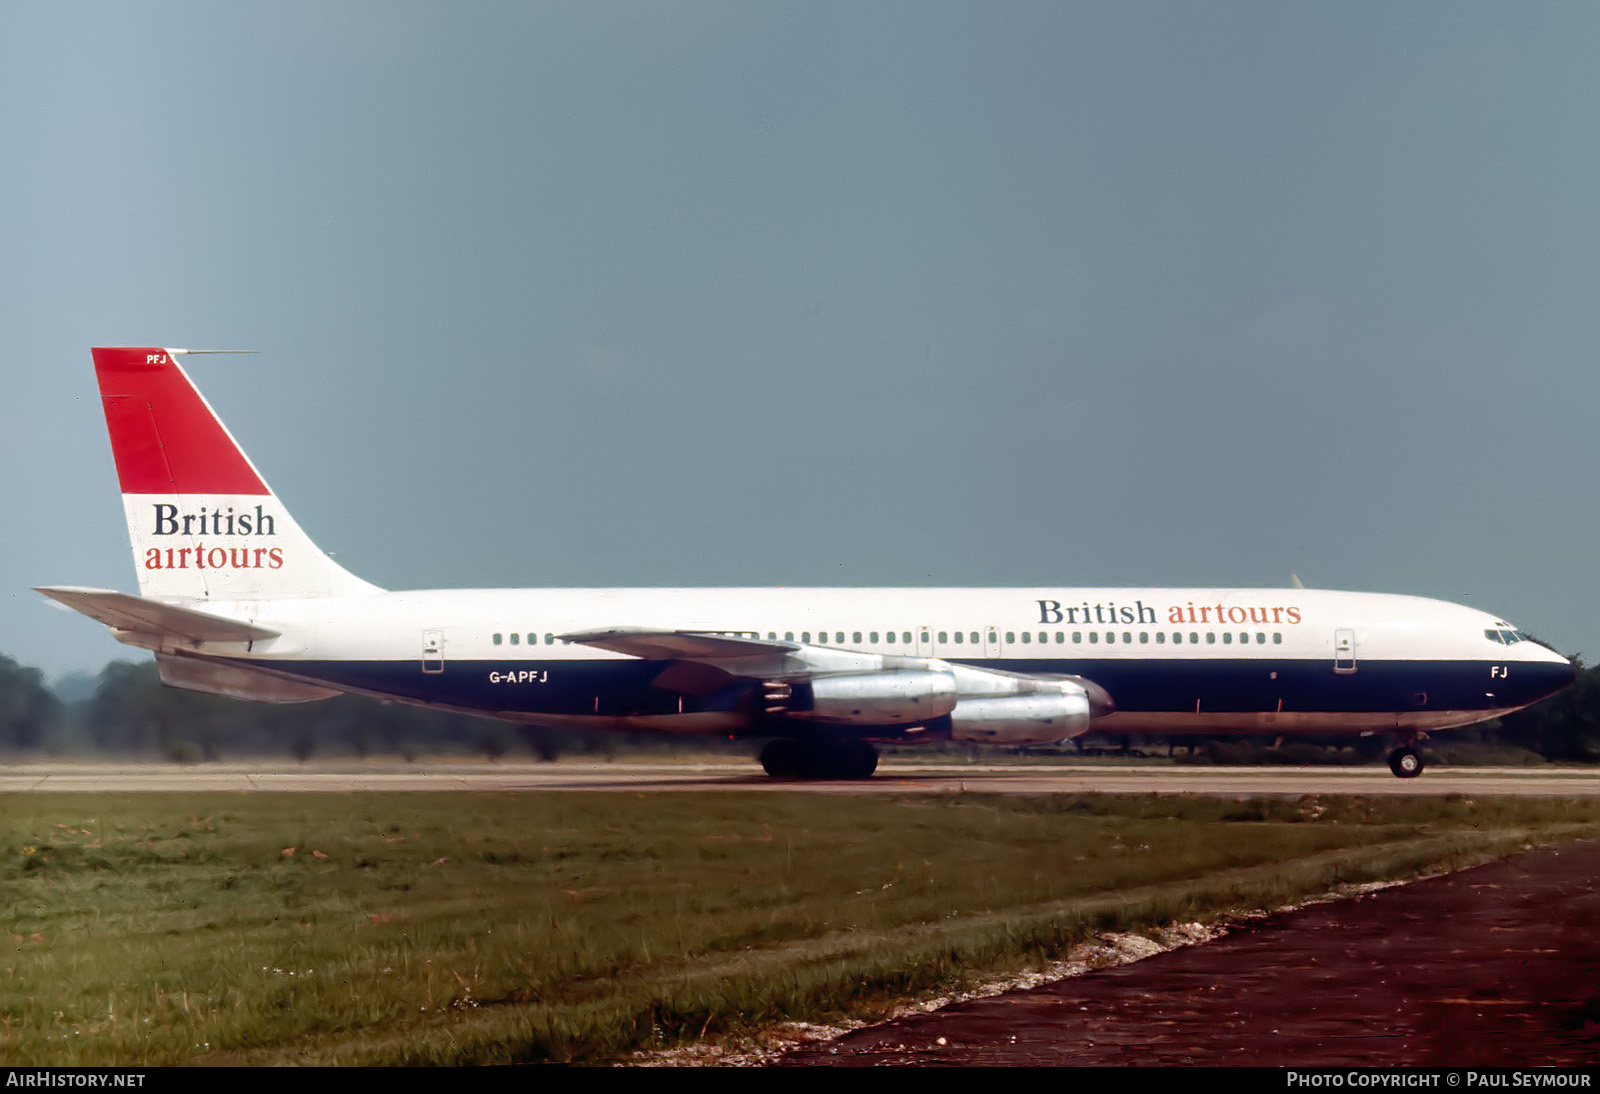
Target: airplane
[(235, 599)]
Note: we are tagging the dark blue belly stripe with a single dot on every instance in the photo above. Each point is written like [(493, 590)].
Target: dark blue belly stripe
[(621, 688)]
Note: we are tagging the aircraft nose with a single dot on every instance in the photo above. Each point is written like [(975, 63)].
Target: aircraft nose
[(1547, 677), (1569, 672)]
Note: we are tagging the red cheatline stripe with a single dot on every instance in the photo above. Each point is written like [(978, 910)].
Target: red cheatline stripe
[(165, 438)]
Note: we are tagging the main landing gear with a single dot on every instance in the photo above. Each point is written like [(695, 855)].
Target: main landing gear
[(1406, 762), (788, 758)]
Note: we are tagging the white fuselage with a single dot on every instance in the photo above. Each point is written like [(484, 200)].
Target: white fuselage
[(1173, 660)]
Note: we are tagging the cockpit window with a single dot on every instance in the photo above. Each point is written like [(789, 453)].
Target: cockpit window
[(1506, 637)]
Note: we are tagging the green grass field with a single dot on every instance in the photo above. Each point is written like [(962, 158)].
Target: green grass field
[(491, 928)]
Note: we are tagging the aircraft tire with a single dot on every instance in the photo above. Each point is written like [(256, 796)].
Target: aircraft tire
[(786, 758), (783, 758), (1406, 762), (854, 760)]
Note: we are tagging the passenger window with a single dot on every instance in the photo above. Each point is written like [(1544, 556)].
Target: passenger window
[(875, 637), (788, 636), (1261, 639), (857, 637), (1127, 637), (1161, 638), (1211, 638), (549, 639), (1094, 637), (1277, 638), (1026, 638), (1010, 638), (890, 637), (805, 636), (1111, 636), (1227, 638), (958, 638), (497, 639), (1144, 638), (975, 638), (1194, 638), (942, 637), (515, 638), (1077, 638)]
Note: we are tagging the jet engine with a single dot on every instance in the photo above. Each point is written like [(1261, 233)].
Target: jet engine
[(1014, 708), (1040, 718), (900, 697)]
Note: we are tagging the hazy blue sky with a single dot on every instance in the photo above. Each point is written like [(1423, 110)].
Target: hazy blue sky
[(859, 293)]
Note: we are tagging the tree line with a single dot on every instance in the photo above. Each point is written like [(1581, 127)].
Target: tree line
[(127, 711)]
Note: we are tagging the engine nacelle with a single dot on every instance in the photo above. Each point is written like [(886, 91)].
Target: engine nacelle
[(902, 697), (1039, 718)]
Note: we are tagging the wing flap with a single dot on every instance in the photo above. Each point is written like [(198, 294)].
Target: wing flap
[(124, 612)]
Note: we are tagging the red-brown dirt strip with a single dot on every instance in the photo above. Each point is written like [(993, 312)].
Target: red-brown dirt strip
[(1495, 966)]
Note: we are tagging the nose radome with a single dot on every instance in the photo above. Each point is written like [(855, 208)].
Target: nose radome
[(1549, 676)]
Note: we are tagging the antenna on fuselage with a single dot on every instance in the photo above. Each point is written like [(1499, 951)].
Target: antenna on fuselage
[(1294, 581)]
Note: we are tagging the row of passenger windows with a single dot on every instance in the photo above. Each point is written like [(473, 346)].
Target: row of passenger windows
[(961, 638), (975, 638)]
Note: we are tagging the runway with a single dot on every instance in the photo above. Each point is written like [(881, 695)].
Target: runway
[(893, 777)]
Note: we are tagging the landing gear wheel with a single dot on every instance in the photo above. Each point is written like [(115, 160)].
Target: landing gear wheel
[(854, 760), (786, 758), (782, 758), (1406, 762)]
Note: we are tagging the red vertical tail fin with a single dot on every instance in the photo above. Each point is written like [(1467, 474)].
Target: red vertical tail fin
[(203, 522)]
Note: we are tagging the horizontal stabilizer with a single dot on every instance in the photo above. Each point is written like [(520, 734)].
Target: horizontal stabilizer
[(124, 612), (674, 645)]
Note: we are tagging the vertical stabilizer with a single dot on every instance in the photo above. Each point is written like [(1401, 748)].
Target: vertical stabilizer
[(203, 522)]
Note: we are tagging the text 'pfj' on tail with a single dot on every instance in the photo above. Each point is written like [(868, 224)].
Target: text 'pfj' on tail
[(203, 522)]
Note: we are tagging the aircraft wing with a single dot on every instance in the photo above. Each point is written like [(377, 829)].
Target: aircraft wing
[(124, 612), (679, 645)]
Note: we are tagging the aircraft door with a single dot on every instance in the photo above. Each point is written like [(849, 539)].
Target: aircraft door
[(924, 642), (432, 651), (1344, 651)]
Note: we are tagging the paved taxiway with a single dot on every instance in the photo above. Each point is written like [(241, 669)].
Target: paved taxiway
[(271, 775)]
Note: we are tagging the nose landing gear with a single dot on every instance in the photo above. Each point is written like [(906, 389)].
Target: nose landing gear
[(1406, 761)]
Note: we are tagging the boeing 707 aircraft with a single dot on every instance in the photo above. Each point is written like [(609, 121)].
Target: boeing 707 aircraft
[(234, 599)]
